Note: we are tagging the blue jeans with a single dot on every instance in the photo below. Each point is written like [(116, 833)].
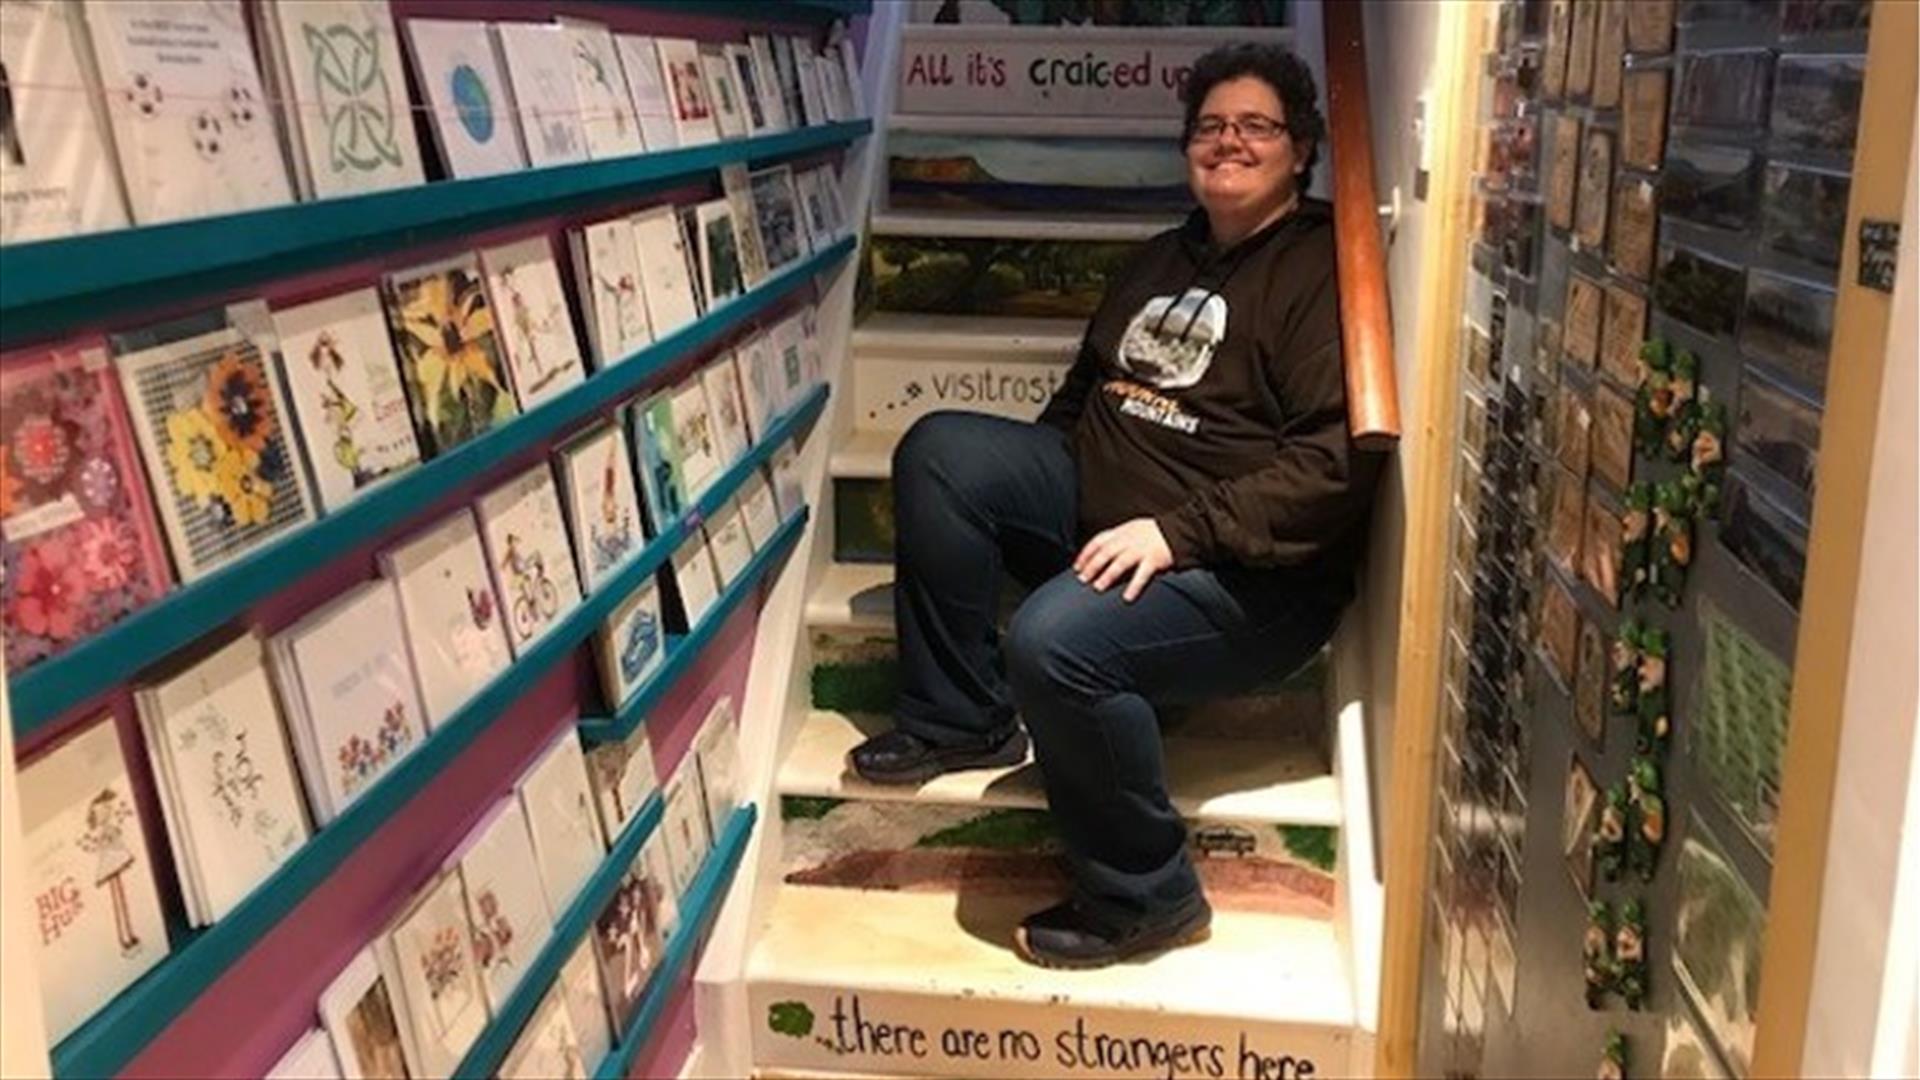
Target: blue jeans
[(978, 496)]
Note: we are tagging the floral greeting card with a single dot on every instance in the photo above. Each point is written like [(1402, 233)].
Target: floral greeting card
[(509, 915), (450, 354), (79, 548)]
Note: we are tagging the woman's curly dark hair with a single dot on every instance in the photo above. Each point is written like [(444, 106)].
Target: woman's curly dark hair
[(1274, 65)]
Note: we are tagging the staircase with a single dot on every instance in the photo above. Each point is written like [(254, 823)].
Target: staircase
[(880, 937)]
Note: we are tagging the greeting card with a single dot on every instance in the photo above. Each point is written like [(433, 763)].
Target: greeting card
[(57, 172), (560, 815), (451, 358), (760, 516), (309, 1058), (776, 211), (548, 1048), (540, 64), (578, 987), (528, 553), (429, 956), (658, 457), (345, 95), (597, 472), (190, 119), (447, 602), (787, 489), (344, 383), (687, 87), (626, 939), (505, 907), (716, 752), (729, 111), (745, 69), (686, 823), (737, 184), (474, 124), (729, 412), (698, 443), (727, 539), (667, 285), (753, 365), (79, 548), (615, 291), (359, 1010), (207, 412), (535, 327), (696, 577), (632, 644), (606, 107), (652, 103), (89, 876), (656, 871), (719, 252)]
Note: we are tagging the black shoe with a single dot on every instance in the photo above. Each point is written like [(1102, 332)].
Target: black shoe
[(897, 757), (1066, 936)]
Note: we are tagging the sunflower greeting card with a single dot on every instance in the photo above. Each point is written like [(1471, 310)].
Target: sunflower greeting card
[(450, 355), (207, 412)]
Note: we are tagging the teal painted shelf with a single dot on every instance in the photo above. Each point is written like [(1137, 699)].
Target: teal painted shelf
[(568, 931), (697, 911), (118, 1032), (812, 11), (683, 649), (47, 690), (57, 285)]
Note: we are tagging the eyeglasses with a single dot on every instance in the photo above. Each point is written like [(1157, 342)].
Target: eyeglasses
[(1250, 127)]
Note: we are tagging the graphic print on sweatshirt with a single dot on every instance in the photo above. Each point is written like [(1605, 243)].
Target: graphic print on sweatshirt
[(1168, 345)]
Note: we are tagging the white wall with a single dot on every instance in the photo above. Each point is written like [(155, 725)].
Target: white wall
[(1860, 1020)]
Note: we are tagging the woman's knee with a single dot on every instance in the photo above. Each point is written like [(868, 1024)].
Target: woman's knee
[(1054, 643), (936, 442)]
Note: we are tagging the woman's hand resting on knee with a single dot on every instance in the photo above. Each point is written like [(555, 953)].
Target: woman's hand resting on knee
[(1135, 547)]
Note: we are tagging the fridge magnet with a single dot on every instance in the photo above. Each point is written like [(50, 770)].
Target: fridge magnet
[(1707, 458), (1479, 355), (1667, 384), (1767, 538), (1699, 290), (1737, 734), (1573, 427), (1609, 50), (1634, 220), (1590, 684), (1613, 1058), (1717, 187), (1624, 689), (1804, 213), (1789, 323), (1610, 834), (1595, 190), (1624, 330), (1630, 954), (1553, 73), (1600, 551), (1636, 539), (1646, 800), (1779, 429), (1724, 90), (1612, 451), (1672, 542), (1816, 103), (1581, 336), (1652, 704), (1718, 926), (1649, 26), (1563, 163), (1581, 805), (1643, 116), (1596, 953)]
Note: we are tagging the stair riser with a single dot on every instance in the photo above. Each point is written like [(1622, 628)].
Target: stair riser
[(860, 673), (930, 847), (890, 394), (862, 520), (1046, 279), (928, 1034)]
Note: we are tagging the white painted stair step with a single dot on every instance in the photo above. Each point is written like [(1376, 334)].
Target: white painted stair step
[(865, 454), (1209, 779), (929, 984), (906, 366), (902, 334)]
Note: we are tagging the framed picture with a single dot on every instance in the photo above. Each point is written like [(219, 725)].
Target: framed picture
[(1624, 330), (1643, 114), (1580, 813), (1712, 186), (1767, 539), (1553, 71), (1596, 180), (1816, 103), (1649, 26), (1559, 634), (1590, 684), (1699, 290), (1710, 12), (1473, 426), (1581, 334), (1563, 170), (1778, 428), (1719, 924), (1612, 452), (1580, 35), (1737, 736), (1799, 18), (1724, 90), (1804, 213), (1568, 520), (1634, 218), (1573, 427), (1600, 551), (1789, 323), (1609, 50), (1479, 355), (1460, 606)]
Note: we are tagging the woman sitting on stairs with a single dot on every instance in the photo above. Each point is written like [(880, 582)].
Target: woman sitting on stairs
[(1189, 511)]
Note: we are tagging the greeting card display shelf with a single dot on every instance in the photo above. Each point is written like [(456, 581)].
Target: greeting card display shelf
[(56, 285), (119, 1031), (683, 649), (697, 911), (48, 690), (491, 1048), (812, 11)]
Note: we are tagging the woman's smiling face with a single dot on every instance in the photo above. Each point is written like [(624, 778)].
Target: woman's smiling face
[(1241, 159)]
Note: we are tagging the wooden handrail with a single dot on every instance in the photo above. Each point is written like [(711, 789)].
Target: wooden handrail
[(1366, 322)]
